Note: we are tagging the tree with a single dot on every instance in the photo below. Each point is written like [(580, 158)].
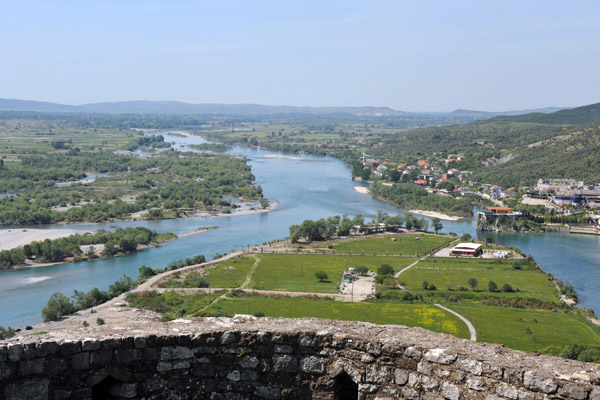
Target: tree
[(507, 288), (345, 226), (362, 270), (57, 307), (473, 283), (425, 285), (145, 272), (436, 224), (264, 203), (321, 276), (492, 286), (385, 270)]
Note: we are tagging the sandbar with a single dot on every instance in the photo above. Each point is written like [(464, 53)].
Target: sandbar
[(361, 189), (434, 214), (15, 237)]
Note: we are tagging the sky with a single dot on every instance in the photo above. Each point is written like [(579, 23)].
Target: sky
[(426, 55)]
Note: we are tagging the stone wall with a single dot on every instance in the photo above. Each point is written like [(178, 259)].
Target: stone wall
[(245, 358)]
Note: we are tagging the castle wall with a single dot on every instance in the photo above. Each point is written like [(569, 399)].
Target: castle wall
[(244, 358)]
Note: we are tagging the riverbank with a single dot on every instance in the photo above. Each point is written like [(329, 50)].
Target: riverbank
[(18, 237)]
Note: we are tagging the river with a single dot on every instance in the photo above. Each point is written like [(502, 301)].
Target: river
[(305, 187)]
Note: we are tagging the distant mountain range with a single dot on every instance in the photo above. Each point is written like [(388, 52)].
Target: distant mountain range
[(181, 108)]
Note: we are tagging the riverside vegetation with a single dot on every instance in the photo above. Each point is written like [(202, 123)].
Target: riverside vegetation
[(118, 242), (45, 164)]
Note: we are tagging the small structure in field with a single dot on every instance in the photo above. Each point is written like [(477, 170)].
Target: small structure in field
[(466, 249)]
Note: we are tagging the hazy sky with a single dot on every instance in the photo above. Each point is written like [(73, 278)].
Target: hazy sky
[(409, 55)]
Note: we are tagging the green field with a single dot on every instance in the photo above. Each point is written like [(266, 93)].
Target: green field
[(296, 273), (426, 316), (528, 330), (401, 245), (171, 304), (449, 275), (230, 273)]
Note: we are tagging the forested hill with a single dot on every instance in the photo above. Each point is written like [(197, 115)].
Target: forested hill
[(579, 115), (575, 156)]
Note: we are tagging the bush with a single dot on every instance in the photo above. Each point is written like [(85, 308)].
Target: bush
[(492, 286), (57, 307), (195, 280), (6, 333), (259, 314), (321, 276), (507, 288), (100, 321)]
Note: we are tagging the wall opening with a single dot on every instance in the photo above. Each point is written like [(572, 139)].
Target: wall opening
[(345, 388), (101, 390)]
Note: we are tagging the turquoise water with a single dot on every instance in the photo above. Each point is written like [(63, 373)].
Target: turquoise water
[(303, 187)]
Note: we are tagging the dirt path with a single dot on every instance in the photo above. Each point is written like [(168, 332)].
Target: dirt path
[(407, 268), (463, 319)]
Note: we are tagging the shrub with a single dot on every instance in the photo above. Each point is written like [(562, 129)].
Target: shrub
[(362, 270), (57, 307), (492, 286), (321, 276), (100, 321), (507, 288)]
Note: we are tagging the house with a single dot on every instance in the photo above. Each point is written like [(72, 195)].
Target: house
[(421, 182), (480, 141)]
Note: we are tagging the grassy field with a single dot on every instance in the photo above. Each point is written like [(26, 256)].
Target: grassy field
[(449, 275), (171, 304), (528, 330), (426, 316), (402, 245), (19, 137), (230, 273), (296, 273)]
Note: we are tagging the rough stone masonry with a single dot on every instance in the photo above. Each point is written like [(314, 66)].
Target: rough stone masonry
[(249, 358)]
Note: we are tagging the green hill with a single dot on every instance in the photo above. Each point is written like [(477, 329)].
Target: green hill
[(579, 115)]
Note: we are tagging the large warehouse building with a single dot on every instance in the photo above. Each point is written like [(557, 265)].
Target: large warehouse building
[(466, 249)]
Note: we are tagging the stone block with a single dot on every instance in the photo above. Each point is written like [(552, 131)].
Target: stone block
[(440, 356), (33, 389), (139, 343), (80, 361), (100, 358), (471, 366), (90, 344), (247, 362), (14, 352), (536, 383), (450, 391), (234, 376), (413, 352), (45, 349), (312, 365), (508, 392), (476, 384), (69, 347), (284, 363), (574, 392), (400, 376), (377, 374), (175, 353), (31, 367)]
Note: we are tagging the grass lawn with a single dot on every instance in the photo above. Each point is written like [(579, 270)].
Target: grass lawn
[(450, 273), (528, 330), (426, 316), (403, 245), (296, 273)]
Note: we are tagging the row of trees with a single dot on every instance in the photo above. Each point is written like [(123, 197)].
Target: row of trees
[(326, 228), (56, 250)]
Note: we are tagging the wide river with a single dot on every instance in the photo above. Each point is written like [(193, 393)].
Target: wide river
[(305, 187)]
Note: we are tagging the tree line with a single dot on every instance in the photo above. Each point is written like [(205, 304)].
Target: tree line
[(57, 250)]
